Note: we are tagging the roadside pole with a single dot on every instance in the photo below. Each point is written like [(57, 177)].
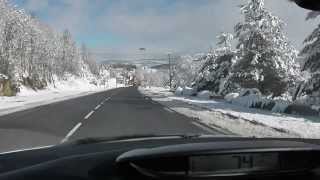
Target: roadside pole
[(170, 71)]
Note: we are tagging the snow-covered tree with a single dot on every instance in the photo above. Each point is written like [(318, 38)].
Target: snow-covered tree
[(32, 54), (311, 65), (185, 71), (225, 42), (266, 59), (311, 52), (88, 60), (214, 75), (148, 77)]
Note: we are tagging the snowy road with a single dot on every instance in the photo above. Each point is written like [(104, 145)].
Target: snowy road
[(117, 112)]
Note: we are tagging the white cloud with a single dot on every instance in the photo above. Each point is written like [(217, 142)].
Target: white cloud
[(183, 27), (72, 15), (186, 26)]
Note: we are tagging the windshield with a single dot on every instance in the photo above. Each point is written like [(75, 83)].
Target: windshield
[(80, 69)]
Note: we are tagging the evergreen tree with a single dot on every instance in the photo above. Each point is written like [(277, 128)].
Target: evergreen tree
[(311, 65), (214, 74), (266, 59)]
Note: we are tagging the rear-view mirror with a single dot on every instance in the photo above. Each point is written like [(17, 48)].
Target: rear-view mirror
[(308, 4)]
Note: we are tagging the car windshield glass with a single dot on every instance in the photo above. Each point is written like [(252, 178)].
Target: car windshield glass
[(79, 69)]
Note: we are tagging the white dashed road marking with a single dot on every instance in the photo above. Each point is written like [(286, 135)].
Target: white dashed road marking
[(97, 107), (89, 114), (73, 130)]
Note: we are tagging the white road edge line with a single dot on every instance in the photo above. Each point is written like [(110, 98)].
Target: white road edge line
[(203, 127), (89, 114), (73, 130), (106, 99), (167, 109), (97, 107), (26, 149)]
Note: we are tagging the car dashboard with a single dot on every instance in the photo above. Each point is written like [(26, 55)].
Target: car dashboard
[(169, 158)]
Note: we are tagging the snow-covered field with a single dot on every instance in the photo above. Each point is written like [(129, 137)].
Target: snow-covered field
[(62, 90), (237, 119)]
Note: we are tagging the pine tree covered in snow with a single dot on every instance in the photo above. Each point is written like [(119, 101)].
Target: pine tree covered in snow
[(214, 74), (311, 65), (266, 59)]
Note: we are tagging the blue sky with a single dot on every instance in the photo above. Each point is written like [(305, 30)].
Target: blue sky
[(93, 35), (185, 26)]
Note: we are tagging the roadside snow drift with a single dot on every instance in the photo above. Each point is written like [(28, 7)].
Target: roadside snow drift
[(61, 90), (237, 118)]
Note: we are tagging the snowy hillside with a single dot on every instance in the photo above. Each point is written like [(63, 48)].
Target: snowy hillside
[(71, 88), (34, 56)]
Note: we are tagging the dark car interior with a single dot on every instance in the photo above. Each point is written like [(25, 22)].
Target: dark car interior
[(171, 157)]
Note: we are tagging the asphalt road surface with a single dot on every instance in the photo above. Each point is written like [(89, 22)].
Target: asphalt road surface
[(117, 112)]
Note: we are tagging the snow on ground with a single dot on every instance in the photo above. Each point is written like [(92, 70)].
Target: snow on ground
[(61, 90), (237, 119)]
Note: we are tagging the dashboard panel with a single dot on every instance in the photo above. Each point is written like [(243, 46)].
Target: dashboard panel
[(204, 160), (174, 158), (228, 163)]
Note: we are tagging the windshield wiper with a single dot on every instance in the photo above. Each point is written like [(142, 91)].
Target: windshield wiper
[(91, 140)]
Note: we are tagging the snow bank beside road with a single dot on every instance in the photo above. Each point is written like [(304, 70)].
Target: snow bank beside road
[(62, 90), (204, 95), (238, 119)]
